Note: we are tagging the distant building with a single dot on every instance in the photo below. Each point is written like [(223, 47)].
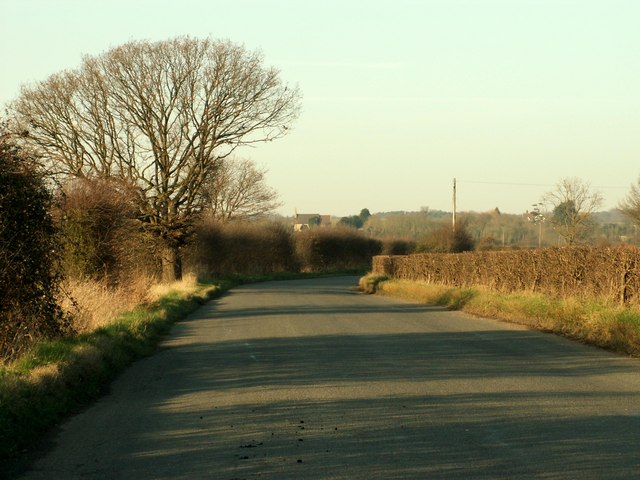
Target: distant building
[(302, 221)]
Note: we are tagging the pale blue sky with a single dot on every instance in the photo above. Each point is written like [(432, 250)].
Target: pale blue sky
[(509, 96)]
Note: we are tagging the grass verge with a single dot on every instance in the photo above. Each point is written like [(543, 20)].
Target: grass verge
[(58, 377), (590, 321)]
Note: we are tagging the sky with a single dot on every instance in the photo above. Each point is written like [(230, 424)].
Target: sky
[(399, 97)]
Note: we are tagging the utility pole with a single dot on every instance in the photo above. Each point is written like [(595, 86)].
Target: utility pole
[(538, 217), (453, 217)]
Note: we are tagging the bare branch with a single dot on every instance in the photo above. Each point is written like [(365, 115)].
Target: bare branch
[(630, 206), (238, 191), (572, 203), (161, 116)]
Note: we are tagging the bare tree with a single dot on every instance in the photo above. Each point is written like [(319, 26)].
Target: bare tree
[(572, 203), (630, 206), (238, 190), (161, 116)]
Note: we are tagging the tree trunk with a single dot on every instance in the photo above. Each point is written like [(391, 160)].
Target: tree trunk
[(171, 264)]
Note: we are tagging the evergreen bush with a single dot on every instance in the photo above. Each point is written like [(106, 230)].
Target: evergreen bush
[(30, 273)]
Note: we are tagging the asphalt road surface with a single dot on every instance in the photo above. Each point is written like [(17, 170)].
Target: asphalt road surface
[(313, 380)]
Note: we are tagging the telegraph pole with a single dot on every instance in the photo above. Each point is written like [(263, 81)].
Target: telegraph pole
[(453, 216)]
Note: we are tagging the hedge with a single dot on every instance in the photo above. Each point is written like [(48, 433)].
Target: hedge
[(609, 273)]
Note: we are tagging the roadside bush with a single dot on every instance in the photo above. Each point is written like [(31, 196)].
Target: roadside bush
[(326, 249), (30, 272), (102, 237), (259, 248), (398, 247), (369, 283), (445, 240), (240, 248)]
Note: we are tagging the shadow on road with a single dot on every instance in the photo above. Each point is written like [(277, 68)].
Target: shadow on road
[(451, 399), (393, 406)]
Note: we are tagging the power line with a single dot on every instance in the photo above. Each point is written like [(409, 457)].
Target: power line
[(517, 184)]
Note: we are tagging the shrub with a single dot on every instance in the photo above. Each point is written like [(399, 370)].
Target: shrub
[(321, 250), (240, 248), (102, 237), (369, 283), (29, 257), (258, 248), (446, 240), (398, 247)]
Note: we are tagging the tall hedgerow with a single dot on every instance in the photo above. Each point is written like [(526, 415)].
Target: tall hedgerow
[(257, 248), (30, 272), (612, 274), (102, 238), (245, 248), (326, 249), (398, 246)]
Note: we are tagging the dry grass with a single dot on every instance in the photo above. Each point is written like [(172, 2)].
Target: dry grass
[(369, 283), (58, 376), (589, 320), (584, 272), (94, 304), (422, 292), (186, 285)]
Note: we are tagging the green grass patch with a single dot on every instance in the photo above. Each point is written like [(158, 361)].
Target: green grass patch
[(58, 377), (592, 321)]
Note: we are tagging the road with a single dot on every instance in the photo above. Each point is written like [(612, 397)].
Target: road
[(310, 379)]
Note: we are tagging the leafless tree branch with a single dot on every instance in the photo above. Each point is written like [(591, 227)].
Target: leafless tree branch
[(238, 191), (630, 205), (162, 116), (572, 204)]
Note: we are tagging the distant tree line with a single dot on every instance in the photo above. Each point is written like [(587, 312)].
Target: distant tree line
[(566, 216), (356, 221)]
